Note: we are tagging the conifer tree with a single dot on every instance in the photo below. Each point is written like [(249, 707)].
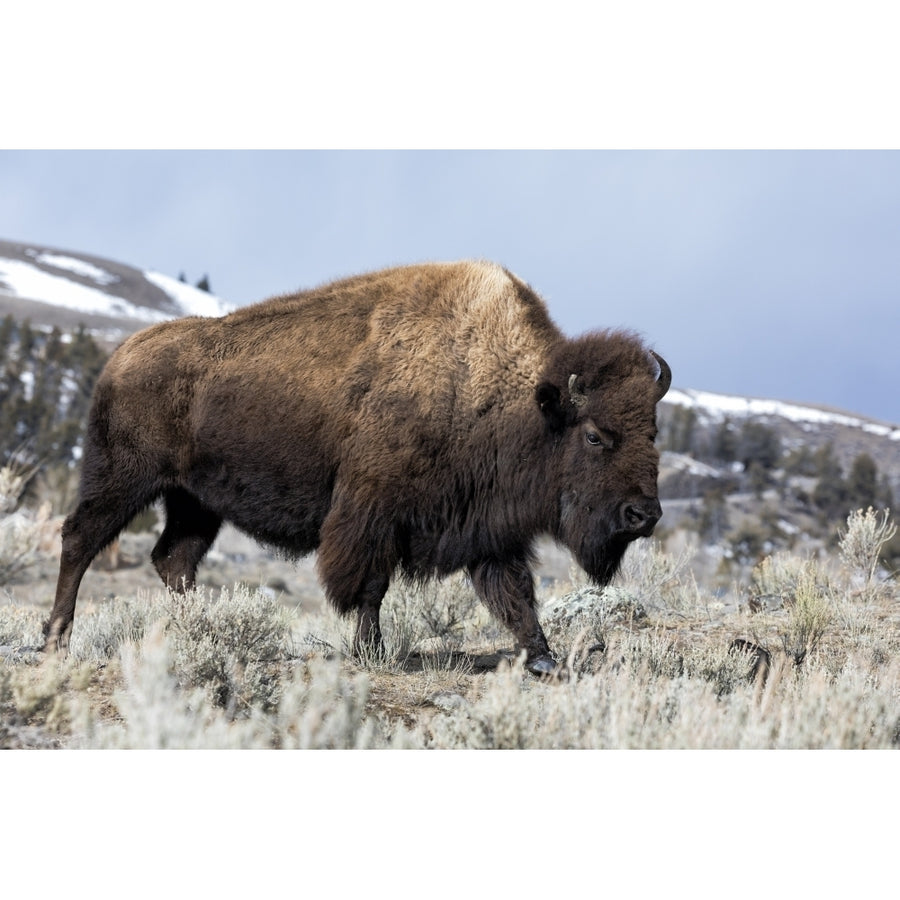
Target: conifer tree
[(759, 444), (679, 434), (725, 442), (862, 483), (886, 493), (26, 340), (7, 326), (714, 515), (830, 494)]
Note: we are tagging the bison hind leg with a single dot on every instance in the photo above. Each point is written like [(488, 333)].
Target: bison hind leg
[(190, 531), (94, 524)]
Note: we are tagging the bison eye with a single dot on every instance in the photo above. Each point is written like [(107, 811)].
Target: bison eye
[(600, 438)]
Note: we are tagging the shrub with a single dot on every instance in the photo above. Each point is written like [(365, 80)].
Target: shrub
[(38, 704), (156, 713), (320, 707), (624, 707), (20, 626), (20, 529), (435, 616), (862, 543), (324, 708), (229, 645), (659, 579), (12, 483), (774, 580), (101, 631), (810, 614)]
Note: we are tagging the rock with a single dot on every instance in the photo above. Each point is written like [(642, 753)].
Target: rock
[(448, 700), (609, 604)]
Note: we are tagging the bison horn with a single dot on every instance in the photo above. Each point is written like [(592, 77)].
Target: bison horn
[(663, 375), (576, 395)]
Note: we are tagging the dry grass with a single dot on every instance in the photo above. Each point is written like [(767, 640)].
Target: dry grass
[(654, 662), (20, 529)]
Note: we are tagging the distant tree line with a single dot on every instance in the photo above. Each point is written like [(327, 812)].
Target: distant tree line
[(835, 494), (756, 453), (202, 284), (46, 381)]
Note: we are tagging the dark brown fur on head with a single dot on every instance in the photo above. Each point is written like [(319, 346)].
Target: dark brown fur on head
[(599, 395)]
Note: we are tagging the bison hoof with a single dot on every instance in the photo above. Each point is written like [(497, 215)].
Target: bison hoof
[(545, 667), (56, 640), (55, 648)]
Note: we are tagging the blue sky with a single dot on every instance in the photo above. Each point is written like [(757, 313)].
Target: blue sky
[(766, 273)]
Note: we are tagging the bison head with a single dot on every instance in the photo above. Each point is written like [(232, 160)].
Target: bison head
[(598, 397)]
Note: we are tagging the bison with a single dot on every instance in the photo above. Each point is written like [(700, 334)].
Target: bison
[(418, 420)]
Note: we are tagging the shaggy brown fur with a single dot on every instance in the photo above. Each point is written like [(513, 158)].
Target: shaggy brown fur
[(421, 419)]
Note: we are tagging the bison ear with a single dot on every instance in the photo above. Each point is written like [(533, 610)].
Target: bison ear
[(549, 400)]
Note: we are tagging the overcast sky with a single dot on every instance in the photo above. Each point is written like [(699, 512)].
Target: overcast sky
[(765, 273)]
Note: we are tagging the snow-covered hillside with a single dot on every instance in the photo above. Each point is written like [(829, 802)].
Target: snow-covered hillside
[(35, 280), (715, 408), (691, 421), (192, 300)]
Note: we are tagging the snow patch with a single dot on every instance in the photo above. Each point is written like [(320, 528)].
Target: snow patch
[(24, 280), (683, 463), (191, 300), (718, 407), (76, 266), (27, 379)]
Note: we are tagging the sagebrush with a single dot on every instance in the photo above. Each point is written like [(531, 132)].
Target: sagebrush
[(648, 666)]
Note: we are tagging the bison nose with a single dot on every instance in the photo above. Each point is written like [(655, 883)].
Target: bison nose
[(640, 516)]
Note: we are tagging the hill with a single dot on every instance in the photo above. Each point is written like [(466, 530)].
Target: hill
[(61, 313), (64, 288), (752, 476), (729, 433)]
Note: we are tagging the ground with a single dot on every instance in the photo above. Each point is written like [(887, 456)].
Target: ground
[(651, 661)]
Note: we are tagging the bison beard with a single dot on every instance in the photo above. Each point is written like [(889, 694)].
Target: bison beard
[(602, 563), (599, 538), (423, 419)]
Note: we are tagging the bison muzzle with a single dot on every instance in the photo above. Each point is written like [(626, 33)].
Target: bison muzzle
[(418, 421)]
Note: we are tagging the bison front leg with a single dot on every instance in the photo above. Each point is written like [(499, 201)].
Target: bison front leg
[(368, 641), (507, 590), (355, 569)]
